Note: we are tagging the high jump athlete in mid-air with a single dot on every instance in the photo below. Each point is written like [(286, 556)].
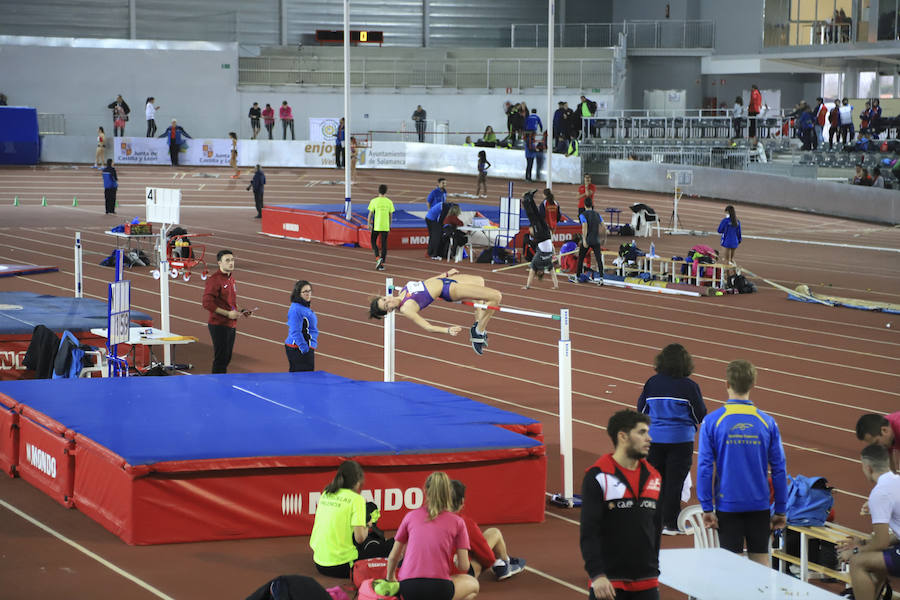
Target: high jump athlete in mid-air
[(451, 286)]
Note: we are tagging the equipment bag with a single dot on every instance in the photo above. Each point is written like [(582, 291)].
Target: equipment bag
[(368, 568), (809, 501)]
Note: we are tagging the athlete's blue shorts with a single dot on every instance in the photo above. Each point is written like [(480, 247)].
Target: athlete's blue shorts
[(445, 291)]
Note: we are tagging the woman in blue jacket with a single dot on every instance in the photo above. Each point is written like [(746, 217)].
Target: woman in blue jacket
[(303, 330), (676, 408), (730, 228)]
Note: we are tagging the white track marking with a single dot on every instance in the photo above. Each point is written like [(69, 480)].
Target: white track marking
[(93, 555)]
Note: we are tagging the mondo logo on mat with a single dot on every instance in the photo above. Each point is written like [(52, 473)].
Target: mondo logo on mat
[(40, 460), (386, 500)]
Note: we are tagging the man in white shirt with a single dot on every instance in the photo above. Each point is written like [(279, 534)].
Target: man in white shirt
[(873, 559)]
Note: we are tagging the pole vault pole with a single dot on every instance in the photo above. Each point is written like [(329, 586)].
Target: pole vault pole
[(347, 182), (565, 407), (549, 149), (389, 328)]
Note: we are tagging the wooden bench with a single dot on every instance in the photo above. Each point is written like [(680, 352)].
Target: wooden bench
[(830, 532)]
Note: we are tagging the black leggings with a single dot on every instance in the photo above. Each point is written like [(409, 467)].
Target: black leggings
[(383, 235), (427, 589), (151, 128), (673, 461)]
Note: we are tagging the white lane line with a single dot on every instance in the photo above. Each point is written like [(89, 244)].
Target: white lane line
[(557, 580), (86, 552)]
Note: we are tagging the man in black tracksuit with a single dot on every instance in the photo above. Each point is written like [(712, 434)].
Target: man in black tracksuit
[(619, 536), (258, 183), (593, 236)]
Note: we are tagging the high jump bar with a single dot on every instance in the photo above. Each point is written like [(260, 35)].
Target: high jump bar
[(564, 365), (514, 311)]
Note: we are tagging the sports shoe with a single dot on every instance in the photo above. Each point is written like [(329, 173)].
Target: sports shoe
[(379, 264), (435, 258), (477, 340), (483, 336), (507, 570)]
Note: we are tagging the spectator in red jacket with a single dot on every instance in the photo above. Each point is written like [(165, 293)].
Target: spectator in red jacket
[(753, 110), (268, 115), (220, 299), (834, 122), (488, 547), (821, 115), (287, 119)]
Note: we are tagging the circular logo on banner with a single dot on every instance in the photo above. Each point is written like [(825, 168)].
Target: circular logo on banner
[(329, 128)]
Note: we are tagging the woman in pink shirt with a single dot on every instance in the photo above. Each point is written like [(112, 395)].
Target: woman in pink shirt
[(426, 541), (287, 120), (268, 115)]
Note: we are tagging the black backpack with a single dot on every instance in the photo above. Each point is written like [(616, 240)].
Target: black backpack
[(741, 284)]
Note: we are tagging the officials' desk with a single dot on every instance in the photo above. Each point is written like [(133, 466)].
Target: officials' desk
[(149, 337), (717, 574)]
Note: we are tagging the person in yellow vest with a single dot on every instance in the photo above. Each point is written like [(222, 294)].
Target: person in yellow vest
[(586, 109), (381, 210), (469, 142)]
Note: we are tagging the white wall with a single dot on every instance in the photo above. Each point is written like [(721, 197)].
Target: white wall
[(188, 81), (385, 110)]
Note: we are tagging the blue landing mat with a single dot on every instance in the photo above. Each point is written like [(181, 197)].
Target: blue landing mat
[(55, 312), (148, 420)]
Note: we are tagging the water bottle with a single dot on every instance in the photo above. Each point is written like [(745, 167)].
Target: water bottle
[(652, 249)]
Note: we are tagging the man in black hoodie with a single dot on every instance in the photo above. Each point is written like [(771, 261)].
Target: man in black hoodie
[(619, 535)]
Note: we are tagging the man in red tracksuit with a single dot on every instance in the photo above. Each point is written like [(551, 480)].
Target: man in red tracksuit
[(220, 299), (753, 109), (619, 535)]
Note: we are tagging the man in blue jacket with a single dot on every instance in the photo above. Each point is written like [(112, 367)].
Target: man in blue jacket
[(258, 183), (742, 443), (110, 186), (434, 218), (175, 135), (439, 194)]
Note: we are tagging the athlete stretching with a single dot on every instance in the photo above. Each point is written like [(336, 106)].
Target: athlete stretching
[(451, 286)]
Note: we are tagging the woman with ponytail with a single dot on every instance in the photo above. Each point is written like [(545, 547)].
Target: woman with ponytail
[(340, 521), (427, 540), (730, 228)]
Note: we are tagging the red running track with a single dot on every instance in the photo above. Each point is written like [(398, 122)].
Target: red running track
[(820, 367)]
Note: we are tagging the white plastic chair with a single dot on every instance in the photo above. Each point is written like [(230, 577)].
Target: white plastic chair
[(94, 361), (690, 520)]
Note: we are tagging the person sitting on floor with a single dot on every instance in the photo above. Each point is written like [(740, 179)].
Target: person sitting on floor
[(341, 529), (488, 547)]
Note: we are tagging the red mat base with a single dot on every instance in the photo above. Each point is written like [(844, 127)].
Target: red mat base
[(276, 496)]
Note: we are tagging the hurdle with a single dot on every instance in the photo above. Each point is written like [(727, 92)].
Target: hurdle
[(564, 365)]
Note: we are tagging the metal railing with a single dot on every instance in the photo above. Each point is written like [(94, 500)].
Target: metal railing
[(640, 34), (695, 124), (596, 159), (447, 73), (51, 124)]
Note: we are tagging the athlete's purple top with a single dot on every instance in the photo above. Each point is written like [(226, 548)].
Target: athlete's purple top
[(418, 291)]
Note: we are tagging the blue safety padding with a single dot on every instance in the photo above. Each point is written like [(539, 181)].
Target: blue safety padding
[(20, 143), (54, 312), (150, 420), (405, 219)]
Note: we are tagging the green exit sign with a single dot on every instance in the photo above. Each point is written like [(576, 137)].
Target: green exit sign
[(226, 66)]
